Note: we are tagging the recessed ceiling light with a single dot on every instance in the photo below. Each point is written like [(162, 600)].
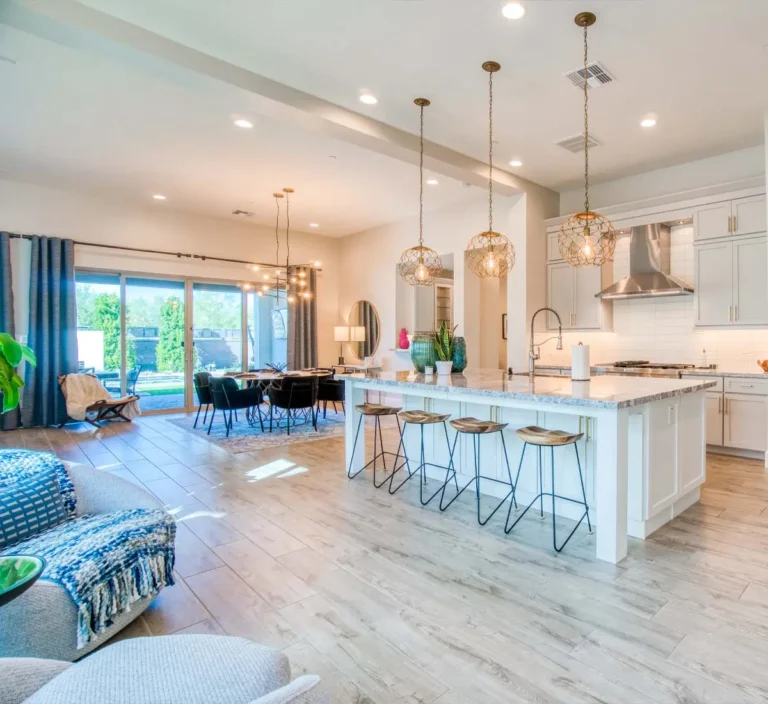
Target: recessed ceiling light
[(368, 99), (515, 162), (648, 122), (432, 181), (314, 224), (159, 196), (245, 124), (513, 10)]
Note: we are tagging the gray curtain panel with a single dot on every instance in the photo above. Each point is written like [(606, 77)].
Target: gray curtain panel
[(52, 330), (10, 420), (302, 327)]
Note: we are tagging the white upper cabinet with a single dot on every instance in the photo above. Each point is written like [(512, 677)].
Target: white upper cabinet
[(750, 281), (713, 287), (560, 295), (712, 221), (749, 216), (587, 309), (743, 216)]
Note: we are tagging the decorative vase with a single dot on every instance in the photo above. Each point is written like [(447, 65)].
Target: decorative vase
[(423, 351), (459, 355), (403, 343), (444, 368)]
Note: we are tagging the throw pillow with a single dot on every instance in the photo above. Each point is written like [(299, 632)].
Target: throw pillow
[(30, 506)]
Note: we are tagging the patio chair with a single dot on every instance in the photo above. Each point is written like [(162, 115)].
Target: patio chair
[(131, 377), (88, 400)]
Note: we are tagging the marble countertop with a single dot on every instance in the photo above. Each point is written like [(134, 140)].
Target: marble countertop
[(601, 392), (751, 372)]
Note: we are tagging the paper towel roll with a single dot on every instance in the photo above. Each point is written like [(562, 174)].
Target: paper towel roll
[(580, 362)]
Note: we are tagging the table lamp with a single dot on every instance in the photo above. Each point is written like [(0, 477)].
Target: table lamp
[(341, 335)]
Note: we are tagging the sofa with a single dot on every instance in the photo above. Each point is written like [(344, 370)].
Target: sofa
[(45, 622), (181, 669)]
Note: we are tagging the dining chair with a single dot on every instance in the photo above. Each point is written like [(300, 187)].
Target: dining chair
[(330, 390), (202, 381), (292, 394), (229, 398)]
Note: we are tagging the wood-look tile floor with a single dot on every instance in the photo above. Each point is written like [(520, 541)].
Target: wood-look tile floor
[(391, 603)]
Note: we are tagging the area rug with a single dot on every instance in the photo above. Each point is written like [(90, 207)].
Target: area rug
[(246, 438)]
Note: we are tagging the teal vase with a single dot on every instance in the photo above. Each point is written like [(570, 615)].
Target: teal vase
[(423, 352), (459, 355)]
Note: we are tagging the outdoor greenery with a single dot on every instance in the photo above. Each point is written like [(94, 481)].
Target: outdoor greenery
[(11, 355), (105, 316), (170, 348)]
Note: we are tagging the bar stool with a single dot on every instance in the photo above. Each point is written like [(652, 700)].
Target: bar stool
[(477, 428), (540, 437), (377, 411), (421, 418)]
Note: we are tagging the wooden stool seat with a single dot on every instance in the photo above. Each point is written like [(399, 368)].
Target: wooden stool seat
[(424, 417), (376, 409), (534, 435), (477, 427)]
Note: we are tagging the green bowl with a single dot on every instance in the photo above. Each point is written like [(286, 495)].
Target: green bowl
[(17, 574)]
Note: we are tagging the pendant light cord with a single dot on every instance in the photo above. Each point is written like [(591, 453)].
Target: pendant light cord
[(490, 153), (277, 246), (421, 177), (287, 235), (586, 124)]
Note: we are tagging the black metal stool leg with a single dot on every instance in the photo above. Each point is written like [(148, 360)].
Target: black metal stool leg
[(541, 485), (407, 462), (583, 490), (354, 447), (509, 472)]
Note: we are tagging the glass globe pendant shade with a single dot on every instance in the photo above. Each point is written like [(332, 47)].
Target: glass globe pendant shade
[(420, 266), (587, 239), (490, 255)]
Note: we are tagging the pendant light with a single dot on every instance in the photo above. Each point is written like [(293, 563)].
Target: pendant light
[(490, 254), (289, 272), (420, 265), (586, 239)]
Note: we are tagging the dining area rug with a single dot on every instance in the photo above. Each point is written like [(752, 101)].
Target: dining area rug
[(244, 437)]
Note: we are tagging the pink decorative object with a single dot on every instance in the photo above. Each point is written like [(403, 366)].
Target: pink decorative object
[(403, 343)]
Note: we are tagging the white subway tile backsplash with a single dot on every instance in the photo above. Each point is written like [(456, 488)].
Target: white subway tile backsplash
[(662, 330)]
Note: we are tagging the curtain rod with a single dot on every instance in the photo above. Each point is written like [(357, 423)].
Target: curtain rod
[(202, 257)]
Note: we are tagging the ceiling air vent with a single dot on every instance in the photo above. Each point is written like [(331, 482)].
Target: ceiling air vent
[(575, 144), (597, 75), (244, 213)]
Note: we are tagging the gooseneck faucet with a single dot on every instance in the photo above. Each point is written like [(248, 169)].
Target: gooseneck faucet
[(534, 352)]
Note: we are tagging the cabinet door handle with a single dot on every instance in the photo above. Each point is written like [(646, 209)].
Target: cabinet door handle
[(730, 314), (735, 224), (729, 223), (735, 313), (719, 405)]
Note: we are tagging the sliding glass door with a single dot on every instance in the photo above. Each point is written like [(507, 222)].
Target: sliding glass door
[(154, 342), (217, 327), (99, 326), (145, 335)]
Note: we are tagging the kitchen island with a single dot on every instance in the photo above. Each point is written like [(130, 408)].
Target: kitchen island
[(643, 449)]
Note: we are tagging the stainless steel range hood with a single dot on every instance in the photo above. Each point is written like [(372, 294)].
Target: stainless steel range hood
[(648, 267)]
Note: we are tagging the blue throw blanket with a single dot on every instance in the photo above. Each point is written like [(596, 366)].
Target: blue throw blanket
[(105, 562)]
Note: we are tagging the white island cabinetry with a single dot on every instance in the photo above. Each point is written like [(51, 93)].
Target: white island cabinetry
[(643, 449)]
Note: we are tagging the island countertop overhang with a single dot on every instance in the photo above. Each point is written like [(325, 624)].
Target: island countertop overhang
[(611, 392)]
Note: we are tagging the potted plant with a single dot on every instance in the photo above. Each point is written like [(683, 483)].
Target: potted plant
[(444, 339), (11, 354)]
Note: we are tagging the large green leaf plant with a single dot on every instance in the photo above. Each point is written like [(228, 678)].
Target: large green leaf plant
[(11, 355), (443, 341)]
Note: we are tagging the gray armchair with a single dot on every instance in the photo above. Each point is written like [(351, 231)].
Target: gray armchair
[(183, 669), (42, 623)]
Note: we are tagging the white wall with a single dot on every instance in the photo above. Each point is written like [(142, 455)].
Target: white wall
[(662, 329), (733, 166), (368, 262), (28, 209)]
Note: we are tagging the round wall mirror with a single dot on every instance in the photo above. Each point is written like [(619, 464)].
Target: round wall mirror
[(365, 329)]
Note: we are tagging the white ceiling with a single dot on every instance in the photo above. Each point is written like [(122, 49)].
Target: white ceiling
[(77, 120), (701, 65)]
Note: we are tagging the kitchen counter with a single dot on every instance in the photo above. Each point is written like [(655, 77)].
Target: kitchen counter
[(756, 374), (641, 440), (600, 392)]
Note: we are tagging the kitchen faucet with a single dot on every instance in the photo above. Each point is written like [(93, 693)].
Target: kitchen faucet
[(534, 352)]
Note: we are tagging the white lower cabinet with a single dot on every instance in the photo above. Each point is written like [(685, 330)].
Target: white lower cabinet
[(715, 419), (745, 424), (737, 413)]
